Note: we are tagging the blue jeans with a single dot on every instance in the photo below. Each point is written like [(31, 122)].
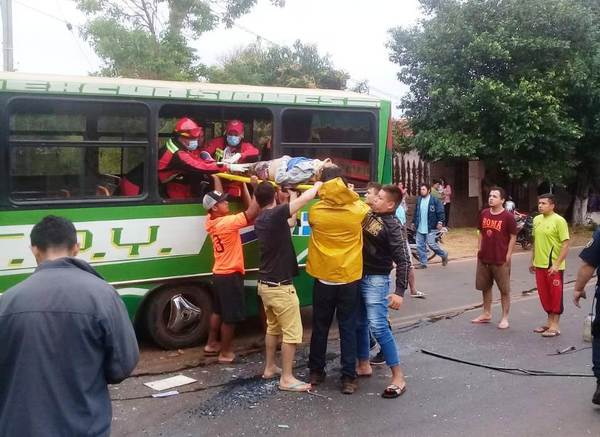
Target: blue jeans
[(373, 315), (596, 338), (424, 240)]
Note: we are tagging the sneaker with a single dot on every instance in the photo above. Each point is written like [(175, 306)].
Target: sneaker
[(596, 397), (420, 266), (372, 343), (377, 360), (316, 377), (445, 260), (349, 385)]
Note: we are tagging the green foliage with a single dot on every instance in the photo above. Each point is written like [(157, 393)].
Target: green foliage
[(361, 87), (512, 82), (149, 38), (299, 66), (401, 136)]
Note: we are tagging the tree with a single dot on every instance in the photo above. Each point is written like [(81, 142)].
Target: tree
[(401, 135), (299, 66), (149, 38), (512, 82), (361, 87)]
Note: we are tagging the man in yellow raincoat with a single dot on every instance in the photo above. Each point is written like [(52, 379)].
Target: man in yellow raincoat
[(335, 261)]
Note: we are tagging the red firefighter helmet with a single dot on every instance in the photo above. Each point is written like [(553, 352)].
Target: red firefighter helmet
[(186, 127), (235, 127)]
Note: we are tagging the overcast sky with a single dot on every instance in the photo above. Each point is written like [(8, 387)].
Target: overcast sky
[(353, 32)]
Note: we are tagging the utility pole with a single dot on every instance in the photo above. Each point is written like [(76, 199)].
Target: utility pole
[(7, 34)]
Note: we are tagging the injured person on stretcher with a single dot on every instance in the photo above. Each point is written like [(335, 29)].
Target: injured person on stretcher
[(287, 170)]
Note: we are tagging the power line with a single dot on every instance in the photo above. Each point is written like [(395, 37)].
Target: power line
[(54, 17), (77, 42), (68, 25), (212, 8), (263, 38)]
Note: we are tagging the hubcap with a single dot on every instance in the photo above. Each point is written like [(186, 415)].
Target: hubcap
[(183, 314)]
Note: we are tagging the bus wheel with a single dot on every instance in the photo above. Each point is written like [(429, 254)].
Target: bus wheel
[(179, 316)]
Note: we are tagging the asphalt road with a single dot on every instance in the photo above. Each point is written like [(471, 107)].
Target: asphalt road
[(444, 398)]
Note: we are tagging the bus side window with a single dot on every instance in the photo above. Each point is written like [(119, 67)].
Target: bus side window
[(65, 149), (347, 137), (258, 130)]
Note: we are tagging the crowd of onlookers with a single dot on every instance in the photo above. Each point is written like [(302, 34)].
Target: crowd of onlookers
[(67, 333)]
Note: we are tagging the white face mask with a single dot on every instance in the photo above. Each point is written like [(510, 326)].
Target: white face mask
[(192, 144)]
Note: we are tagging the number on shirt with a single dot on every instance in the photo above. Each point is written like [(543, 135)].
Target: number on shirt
[(218, 244)]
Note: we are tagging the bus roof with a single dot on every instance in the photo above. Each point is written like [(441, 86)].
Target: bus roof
[(195, 91)]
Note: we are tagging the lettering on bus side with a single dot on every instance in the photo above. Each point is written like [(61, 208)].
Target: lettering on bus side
[(112, 242), (134, 248), (278, 98), (63, 87)]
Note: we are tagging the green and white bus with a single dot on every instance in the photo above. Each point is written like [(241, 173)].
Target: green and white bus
[(65, 143)]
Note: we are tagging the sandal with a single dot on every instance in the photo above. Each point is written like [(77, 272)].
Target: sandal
[(227, 360), (275, 374), (551, 333), (299, 387), (393, 391), (541, 329), (481, 320), (418, 295)]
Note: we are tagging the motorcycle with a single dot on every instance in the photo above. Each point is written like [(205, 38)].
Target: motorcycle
[(412, 242), (524, 229)]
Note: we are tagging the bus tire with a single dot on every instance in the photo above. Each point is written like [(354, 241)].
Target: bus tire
[(159, 310)]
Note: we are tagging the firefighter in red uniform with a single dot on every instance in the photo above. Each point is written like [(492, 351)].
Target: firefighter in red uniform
[(183, 169), (231, 148)]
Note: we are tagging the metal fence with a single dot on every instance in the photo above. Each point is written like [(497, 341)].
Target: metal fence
[(411, 170)]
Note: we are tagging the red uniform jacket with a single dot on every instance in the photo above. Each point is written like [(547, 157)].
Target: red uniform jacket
[(180, 172), (247, 150)]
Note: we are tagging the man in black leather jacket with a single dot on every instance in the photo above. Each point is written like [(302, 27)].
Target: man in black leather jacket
[(384, 243)]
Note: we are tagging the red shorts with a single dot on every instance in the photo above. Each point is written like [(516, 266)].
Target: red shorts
[(550, 290)]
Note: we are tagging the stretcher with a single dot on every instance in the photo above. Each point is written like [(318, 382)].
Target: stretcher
[(246, 179)]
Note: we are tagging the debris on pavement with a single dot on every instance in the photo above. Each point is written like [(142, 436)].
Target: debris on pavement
[(167, 383), (165, 394)]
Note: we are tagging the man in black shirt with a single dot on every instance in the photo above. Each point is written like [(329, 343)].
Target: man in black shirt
[(384, 244), (591, 262), (278, 266)]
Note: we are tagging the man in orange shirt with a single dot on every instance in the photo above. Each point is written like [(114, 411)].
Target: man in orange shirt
[(228, 270)]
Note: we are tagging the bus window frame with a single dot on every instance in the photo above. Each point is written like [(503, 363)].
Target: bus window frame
[(149, 145), (280, 146), (4, 135)]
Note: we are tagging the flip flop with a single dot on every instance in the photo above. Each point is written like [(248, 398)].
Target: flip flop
[(481, 321), (226, 361), (393, 391), (364, 375), (299, 387), (211, 353), (418, 295), (541, 329), (551, 333), (273, 376)]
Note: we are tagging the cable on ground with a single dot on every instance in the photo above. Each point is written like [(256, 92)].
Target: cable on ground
[(511, 370)]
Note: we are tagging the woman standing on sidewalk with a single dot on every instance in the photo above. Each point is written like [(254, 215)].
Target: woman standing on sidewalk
[(446, 199)]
